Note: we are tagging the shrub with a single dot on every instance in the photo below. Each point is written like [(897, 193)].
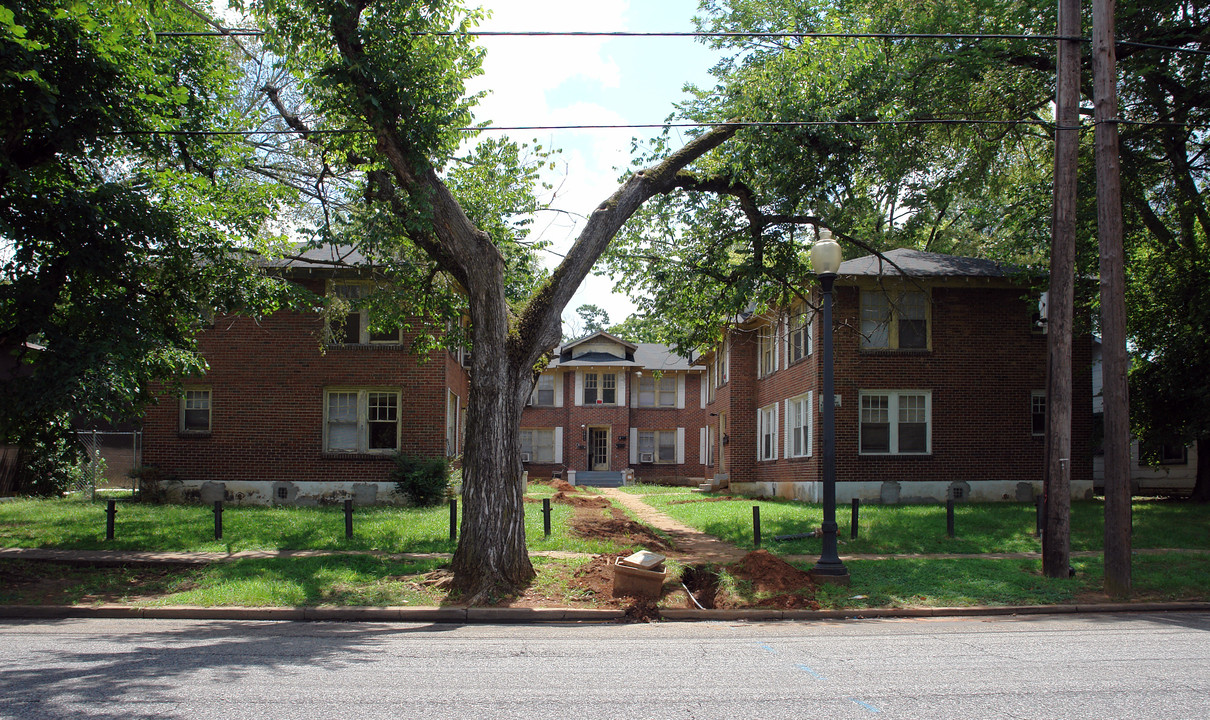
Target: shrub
[(424, 481)]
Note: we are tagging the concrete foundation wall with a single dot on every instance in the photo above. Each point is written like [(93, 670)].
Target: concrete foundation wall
[(307, 494), (908, 493)]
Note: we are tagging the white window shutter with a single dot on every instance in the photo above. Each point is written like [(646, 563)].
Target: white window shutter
[(579, 398), (622, 387), (701, 446), (786, 432), (634, 446), (775, 408), (680, 446), (680, 390), (810, 413), (701, 381), (558, 446), (634, 392), (558, 389)]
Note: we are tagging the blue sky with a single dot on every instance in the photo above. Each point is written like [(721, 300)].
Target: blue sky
[(569, 81)]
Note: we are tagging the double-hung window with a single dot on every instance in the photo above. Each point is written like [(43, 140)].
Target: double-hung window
[(544, 391), (657, 392), (1037, 413), (538, 445), (798, 426), (355, 329), (798, 336), (766, 432), (195, 410), (452, 405), (361, 421), (600, 388), (657, 446), (894, 321), (768, 350), (896, 422)]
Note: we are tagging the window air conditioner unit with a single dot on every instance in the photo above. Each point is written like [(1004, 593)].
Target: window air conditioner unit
[(646, 457), (525, 457)]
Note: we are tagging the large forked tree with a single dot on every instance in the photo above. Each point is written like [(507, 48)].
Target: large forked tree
[(123, 216), (394, 71)]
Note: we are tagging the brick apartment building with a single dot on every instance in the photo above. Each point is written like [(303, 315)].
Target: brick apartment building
[(607, 406), (290, 414), (940, 377)]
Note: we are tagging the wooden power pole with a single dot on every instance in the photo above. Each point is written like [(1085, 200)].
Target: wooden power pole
[(1113, 302), (1056, 537)]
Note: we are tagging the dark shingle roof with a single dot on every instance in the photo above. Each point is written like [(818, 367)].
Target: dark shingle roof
[(925, 264)]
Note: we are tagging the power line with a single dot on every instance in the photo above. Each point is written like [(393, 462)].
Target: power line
[(246, 32), (660, 126)]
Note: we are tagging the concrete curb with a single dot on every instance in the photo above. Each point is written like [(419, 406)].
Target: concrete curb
[(512, 616)]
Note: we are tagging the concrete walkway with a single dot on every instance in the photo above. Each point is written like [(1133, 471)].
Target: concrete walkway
[(692, 545)]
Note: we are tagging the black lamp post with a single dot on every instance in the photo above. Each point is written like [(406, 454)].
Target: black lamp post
[(825, 258)]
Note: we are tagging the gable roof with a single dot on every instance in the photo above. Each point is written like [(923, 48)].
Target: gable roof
[(916, 263), (598, 334)]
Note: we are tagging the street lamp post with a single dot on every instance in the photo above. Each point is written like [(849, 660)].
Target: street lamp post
[(825, 258)]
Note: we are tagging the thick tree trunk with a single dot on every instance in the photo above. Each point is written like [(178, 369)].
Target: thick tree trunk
[(1201, 489)]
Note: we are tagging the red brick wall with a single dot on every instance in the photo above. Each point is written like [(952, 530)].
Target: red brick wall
[(982, 368), (620, 419), (267, 379)]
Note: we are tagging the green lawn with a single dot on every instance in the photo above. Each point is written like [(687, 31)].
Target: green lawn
[(78, 524), (904, 529)]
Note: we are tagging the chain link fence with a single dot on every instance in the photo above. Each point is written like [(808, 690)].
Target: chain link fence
[(111, 458)]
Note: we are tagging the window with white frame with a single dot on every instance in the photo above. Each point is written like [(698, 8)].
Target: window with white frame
[(600, 388), (711, 440), (711, 385), (798, 426), (894, 321), (538, 445), (452, 404), (1037, 413), (767, 340), (195, 410), (361, 421), (798, 335), (657, 446), (721, 364), (355, 328), (657, 392), (544, 391), (766, 432), (896, 422)]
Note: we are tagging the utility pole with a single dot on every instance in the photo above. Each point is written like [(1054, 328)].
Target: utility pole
[(1056, 539), (1113, 302)]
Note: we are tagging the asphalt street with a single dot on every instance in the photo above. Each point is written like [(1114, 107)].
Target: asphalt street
[(1087, 666)]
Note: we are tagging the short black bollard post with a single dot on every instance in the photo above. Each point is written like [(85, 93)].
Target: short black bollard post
[(853, 520), (1040, 515), (453, 519), (949, 517), (546, 516), (218, 519), (111, 510), (756, 526), (348, 519)]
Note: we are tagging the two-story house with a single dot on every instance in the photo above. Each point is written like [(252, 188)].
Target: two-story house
[(293, 410), (605, 405), (940, 382)]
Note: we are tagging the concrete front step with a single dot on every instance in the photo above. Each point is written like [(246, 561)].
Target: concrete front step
[(600, 478)]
